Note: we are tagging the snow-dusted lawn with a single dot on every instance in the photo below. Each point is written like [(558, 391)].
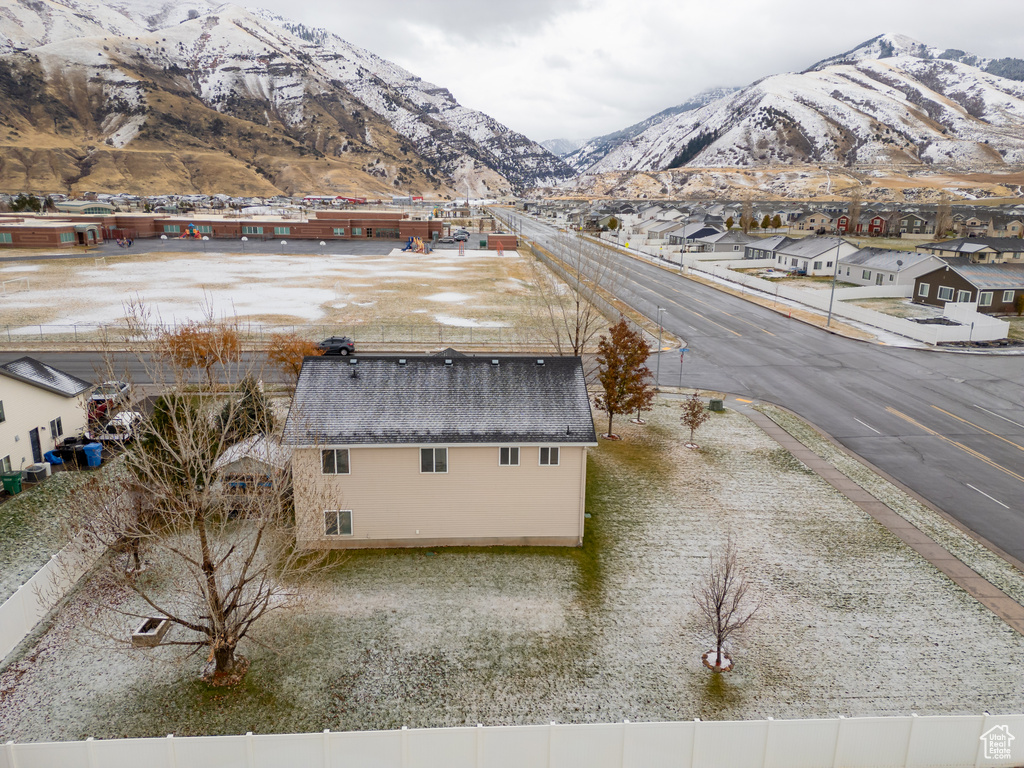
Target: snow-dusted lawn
[(854, 623), (898, 307), (346, 291)]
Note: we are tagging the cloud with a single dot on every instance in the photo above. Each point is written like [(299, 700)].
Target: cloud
[(575, 68)]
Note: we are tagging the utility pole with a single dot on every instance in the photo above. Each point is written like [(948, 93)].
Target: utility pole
[(835, 276)]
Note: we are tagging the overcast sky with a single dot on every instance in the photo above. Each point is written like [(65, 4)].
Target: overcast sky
[(582, 68)]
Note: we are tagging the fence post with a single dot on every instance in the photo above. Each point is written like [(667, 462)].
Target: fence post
[(327, 747), (172, 760), (90, 753), (839, 734), (767, 741), (910, 739), (479, 745), (250, 754), (551, 742), (693, 748), (622, 752), (405, 746), (12, 761)]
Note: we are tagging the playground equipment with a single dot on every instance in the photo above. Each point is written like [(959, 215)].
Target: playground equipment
[(415, 245), (191, 233)]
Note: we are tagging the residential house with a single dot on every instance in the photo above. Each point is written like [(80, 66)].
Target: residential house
[(915, 224), (764, 248), (980, 250), (995, 288), (806, 256), (881, 266), (39, 404), (690, 234), (815, 221), (439, 450), (726, 242)]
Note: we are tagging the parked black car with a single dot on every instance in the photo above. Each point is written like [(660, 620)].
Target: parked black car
[(338, 345)]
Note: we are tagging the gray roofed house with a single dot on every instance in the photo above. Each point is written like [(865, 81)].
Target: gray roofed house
[(439, 450), (39, 404), (32, 371), (995, 288), (811, 255), (981, 250), (733, 241), (882, 266)]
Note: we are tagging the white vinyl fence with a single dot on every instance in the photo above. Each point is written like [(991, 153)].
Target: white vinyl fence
[(25, 608), (973, 327), (871, 742)]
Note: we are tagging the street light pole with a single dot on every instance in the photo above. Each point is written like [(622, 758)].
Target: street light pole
[(657, 375), (835, 276)]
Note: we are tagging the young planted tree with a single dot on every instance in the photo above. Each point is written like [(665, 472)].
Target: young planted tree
[(201, 344), (568, 289), (694, 416), (730, 223), (211, 557), (725, 603), (766, 222), (286, 352), (746, 215), (623, 374), (776, 221)]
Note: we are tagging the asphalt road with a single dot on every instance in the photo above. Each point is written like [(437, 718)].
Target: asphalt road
[(950, 426)]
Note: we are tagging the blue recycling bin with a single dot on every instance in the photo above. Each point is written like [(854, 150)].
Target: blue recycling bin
[(52, 457), (93, 454)]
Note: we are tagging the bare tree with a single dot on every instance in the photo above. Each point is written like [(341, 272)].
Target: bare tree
[(853, 212), (943, 218), (694, 416), (569, 293), (724, 600), (746, 215), (211, 554)]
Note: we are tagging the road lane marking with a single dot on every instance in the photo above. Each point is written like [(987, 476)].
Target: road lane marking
[(734, 317), (741, 400), (997, 501), (970, 451), (993, 413), (965, 421), (868, 426)]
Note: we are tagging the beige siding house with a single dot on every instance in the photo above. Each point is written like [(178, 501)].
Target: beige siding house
[(439, 451), (38, 405)]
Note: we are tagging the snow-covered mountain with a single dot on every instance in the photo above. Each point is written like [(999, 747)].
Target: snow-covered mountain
[(562, 147), (110, 58), (891, 101)]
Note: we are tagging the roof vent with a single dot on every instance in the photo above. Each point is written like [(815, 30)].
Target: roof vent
[(353, 361), (448, 361), (401, 361), (494, 361), (540, 361)]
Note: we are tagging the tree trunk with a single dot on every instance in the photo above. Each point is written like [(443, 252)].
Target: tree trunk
[(610, 417), (224, 656)]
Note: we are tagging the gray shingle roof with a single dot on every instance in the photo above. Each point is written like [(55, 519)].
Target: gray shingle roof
[(973, 244), (884, 258), (31, 371), (985, 276), (376, 400)]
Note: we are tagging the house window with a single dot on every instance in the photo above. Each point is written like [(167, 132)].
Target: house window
[(338, 522), (357, 231), (549, 457), (945, 293), (508, 457), (828, 263), (923, 289), (5, 237), (252, 230), (56, 428), (334, 461), (817, 265), (205, 229), (1007, 298), (67, 237), (434, 460), (866, 274), (963, 296), (891, 278), (172, 229), (985, 299), (339, 231), (4, 418), (282, 230)]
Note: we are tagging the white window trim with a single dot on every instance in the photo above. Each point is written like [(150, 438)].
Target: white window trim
[(962, 298), (1007, 297), (985, 299), (434, 461), (945, 293), (339, 513), (549, 448), (348, 462), (510, 448)]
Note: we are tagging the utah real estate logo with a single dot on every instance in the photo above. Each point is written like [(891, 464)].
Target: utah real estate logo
[(998, 741)]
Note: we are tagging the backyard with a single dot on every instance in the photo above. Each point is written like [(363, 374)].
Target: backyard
[(853, 622)]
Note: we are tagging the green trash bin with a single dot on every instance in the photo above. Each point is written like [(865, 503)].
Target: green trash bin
[(12, 482), (716, 405), (483, 245)]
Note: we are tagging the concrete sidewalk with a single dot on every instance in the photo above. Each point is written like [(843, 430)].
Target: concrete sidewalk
[(986, 593)]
